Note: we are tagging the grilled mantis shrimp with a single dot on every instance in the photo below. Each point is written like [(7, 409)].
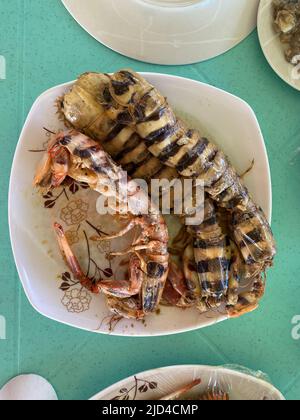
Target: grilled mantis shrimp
[(137, 127), (204, 280), (81, 158)]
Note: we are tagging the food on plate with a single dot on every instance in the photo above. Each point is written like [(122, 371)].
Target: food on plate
[(211, 395), (86, 108), (287, 23), (134, 123), (74, 155)]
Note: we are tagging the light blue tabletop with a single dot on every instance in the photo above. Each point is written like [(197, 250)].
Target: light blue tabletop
[(43, 46)]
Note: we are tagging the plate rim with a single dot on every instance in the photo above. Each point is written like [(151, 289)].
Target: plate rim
[(262, 4), (151, 61), (13, 240), (156, 371)]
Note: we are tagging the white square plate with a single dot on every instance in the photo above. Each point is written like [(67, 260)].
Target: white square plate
[(228, 121)]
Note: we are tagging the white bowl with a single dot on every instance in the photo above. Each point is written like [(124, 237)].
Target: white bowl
[(239, 383), (227, 119), (272, 47), (167, 31)]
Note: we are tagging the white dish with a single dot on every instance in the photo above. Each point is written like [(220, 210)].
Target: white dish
[(273, 48), (28, 388), (167, 31), (227, 119), (240, 384)]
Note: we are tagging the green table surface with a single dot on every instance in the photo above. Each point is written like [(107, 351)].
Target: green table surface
[(43, 46)]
